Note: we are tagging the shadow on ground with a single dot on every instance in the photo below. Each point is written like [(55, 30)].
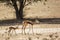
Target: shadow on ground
[(10, 22), (42, 21)]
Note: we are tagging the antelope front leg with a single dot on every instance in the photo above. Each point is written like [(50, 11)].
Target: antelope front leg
[(24, 31), (32, 30), (9, 32), (15, 32)]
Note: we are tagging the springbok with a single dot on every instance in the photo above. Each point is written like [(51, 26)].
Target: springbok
[(25, 24), (13, 28)]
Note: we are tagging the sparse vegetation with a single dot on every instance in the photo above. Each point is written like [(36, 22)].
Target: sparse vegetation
[(29, 38), (50, 36), (7, 38), (45, 39)]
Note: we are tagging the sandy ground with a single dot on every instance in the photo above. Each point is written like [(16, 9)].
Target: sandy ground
[(39, 33), (53, 36), (47, 36)]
